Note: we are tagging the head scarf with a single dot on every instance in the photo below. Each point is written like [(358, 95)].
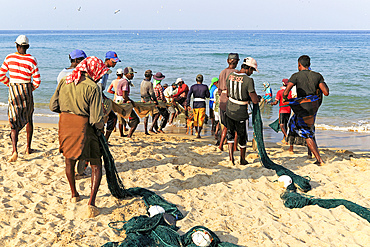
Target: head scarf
[(214, 79), (266, 84), (156, 82), (93, 66)]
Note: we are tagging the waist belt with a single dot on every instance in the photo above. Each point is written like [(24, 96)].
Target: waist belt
[(199, 99), (238, 102)]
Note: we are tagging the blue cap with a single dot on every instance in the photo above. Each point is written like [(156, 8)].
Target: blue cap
[(77, 54), (112, 55)]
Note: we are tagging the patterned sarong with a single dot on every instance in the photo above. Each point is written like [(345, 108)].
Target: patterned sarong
[(21, 107), (303, 120)]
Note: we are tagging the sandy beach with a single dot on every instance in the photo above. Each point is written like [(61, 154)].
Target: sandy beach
[(241, 204)]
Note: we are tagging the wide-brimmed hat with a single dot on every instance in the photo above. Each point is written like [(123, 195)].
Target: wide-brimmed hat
[(159, 76)]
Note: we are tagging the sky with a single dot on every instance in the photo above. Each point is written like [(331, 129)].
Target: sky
[(185, 15)]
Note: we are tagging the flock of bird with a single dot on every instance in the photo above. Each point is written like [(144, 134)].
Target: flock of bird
[(79, 9)]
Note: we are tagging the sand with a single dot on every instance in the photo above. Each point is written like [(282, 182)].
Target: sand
[(241, 204)]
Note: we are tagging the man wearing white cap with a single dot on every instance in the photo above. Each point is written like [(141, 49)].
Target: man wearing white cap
[(240, 90), (24, 77)]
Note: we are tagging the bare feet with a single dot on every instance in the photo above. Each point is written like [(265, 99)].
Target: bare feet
[(244, 162), (152, 131), (14, 157), (92, 211), (147, 133), (319, 163), (75, 199), (161, 131), (232, 161), (29, 151)]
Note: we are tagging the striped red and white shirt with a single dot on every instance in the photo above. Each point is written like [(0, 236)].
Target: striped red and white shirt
[(21, 68)]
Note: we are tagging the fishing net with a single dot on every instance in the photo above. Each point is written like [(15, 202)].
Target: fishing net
[(159, 230), (291, 198), (301, 182), (295, 200)]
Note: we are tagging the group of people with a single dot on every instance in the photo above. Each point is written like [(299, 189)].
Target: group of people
[(81, 103)]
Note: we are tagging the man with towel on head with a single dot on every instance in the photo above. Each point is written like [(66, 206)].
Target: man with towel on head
[(78, 100), (240, 91), (22, 67), (200, 93), (310, 87)]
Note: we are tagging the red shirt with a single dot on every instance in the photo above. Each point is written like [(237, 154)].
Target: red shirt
[(279, 96)]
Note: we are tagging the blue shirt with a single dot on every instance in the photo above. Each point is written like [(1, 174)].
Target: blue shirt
[(211, 99)]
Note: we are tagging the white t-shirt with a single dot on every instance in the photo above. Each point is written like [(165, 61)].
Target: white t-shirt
[(168, 92), (63, 74)]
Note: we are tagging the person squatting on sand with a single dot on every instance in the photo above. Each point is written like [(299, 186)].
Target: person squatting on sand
[(123, 88), (240, 91), (232, 60), (158, 90), (148, 96), (78, 100), (111, 59), (22, 67), (310, 87), (75, 57), (200, 93)]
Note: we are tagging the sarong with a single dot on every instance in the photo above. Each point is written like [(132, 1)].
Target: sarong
[(199, 116), (20, 107), (77, 138), (303, 120)]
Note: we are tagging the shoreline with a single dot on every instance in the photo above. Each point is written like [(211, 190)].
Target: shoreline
[(352, 141)]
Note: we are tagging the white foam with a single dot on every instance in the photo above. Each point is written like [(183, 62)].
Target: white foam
[(46, 115), (361, 126)]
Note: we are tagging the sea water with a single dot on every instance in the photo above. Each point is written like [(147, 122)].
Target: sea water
[(342, 57)]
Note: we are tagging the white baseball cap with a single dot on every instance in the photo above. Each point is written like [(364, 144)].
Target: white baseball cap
[(22, 40), (178, 80), (119, 72), (251, 62)]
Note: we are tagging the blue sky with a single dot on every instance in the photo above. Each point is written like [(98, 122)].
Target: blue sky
[(186, 14)]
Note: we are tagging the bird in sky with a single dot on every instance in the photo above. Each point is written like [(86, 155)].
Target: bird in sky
[(115, 12), (79, 9)]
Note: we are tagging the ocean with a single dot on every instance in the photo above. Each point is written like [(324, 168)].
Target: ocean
[(342, 57)]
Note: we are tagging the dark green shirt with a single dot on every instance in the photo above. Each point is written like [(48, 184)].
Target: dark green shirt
[(239, 85), (83, 99), (307, 82)]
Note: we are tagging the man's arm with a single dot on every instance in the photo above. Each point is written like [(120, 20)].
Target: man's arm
[(287, 90), (36, 78), (189, 97), (179, 91), (109, 90), (324, 88), (3, 70), (254, 97)]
